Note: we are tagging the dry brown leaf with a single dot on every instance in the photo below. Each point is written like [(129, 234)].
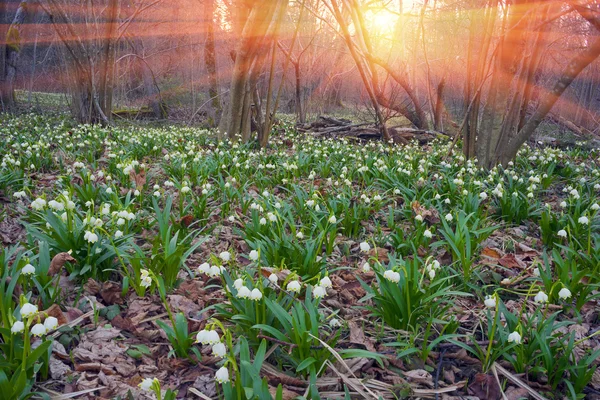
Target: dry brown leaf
[(485, 386), (111, 293), (511, 261), (357, 336), (58, 263), (492, 252), (419, 376)]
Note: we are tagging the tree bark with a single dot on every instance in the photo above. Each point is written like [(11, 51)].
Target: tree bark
[(13, 51), (211, 63), (107, 67)]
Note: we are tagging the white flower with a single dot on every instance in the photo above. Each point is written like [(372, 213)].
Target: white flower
[(231, 218), (392, 276), (243, 292), (222, 375), (483, 195), (17, 327), (208, 337), (563, 204), (419, 217), (238, 283), (595, 207), (300, 235), (515, 337), (263, 221), (256, 294), (490, 302), (146, 383), (204, 268), (91, 237), (562, 233), (583, 220), (253, 255), (332, 219), (118, 234), (536, 272), (325, 282), (219, 350), (293, 286), (28, 270), (366, 267), (28, 310), (335, 323), (427, 234), (431, 273), (273, 279), (564, 293), (50, 323), (364, 247), (541, 297), (319, 291), (185, 189), (449, 217), (214, 271), (38, 204), (38, 330), (225, 256), (146, 281)]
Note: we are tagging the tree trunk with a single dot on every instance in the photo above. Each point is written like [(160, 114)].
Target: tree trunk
[(107, 67), (211, 63), (235, 121), (13, 50), (3, 31)]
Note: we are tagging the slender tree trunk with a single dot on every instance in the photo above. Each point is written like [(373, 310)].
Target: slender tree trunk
[(211, 62), (13, 50), (3, 30), (107, 67)]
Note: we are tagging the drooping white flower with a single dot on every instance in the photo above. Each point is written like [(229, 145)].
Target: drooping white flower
[(253, 255), (294, 286), (28, 310), (238, 283), (222, 375), (243, 292), (564, 293), (28, 270), (214, 271), (541, 297), (273, 279), (204, 268), (225, 256), (427, 234), (319, 291), (364, 247), (583, 220), (146, 281), (449, 217), (562, 233), (146, 383), (515, 337), (392, 276), (332, 219), (325, 282), (17, 327), (256, 294), (50, 323), (490, 301), (91, 237), (219, 350), (419, 217), (38, 330), (366, 267)]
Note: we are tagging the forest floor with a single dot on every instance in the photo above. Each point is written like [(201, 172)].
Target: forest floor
[(317, 268)]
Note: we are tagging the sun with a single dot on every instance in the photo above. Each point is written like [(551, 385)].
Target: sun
[(383, 21)]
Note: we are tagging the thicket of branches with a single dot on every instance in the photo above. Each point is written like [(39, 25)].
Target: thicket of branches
[(489, 70)]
